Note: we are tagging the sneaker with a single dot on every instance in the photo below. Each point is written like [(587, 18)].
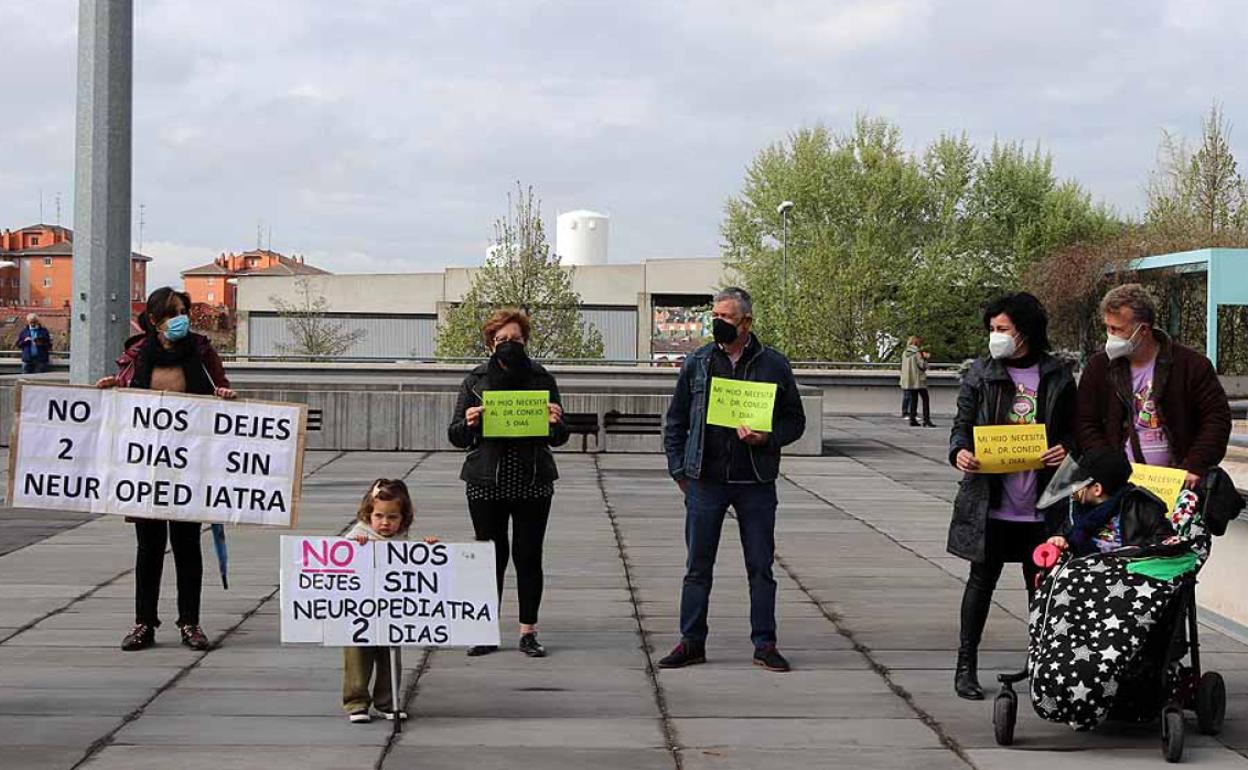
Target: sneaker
[(531, 647), (359, 717), (195, 638), (389, 716), (478, 650), (684, 654), (140, 637), (770, 658)]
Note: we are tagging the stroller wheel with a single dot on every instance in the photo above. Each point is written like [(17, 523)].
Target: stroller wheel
[(1172, 734), (1004, 717), (1211, 703)]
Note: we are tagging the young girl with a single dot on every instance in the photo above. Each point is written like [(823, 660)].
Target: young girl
[(386, 513)]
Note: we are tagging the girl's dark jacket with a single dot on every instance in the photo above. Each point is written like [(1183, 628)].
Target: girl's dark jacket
[(127, 362), (986, 396), (484, 455)]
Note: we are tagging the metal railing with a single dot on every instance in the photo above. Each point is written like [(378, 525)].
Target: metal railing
[(289, 358)]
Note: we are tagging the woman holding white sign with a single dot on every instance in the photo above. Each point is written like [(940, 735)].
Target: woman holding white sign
[(995, 517), (168, 356), (508, 415)]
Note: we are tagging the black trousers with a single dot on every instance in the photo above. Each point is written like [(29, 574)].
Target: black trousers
[(528, 533), (1006, 541), (149, 565), (913, 405)]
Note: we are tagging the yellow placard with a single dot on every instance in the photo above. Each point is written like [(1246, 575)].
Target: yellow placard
[(1010, 448), (734, 403), (1164, 482)]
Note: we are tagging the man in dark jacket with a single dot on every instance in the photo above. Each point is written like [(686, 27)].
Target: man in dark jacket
[(36, 346), (1159, 401), (718, 467)]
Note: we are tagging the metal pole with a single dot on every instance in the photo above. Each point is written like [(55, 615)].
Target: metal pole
[(395, 694), (101, 277), (784, 289)]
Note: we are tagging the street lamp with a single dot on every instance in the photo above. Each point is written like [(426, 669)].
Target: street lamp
[(783, 210)]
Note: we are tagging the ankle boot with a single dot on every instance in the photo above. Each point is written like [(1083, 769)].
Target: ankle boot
[(966, 678)]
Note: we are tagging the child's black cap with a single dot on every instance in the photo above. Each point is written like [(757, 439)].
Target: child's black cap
[(1107, 467)]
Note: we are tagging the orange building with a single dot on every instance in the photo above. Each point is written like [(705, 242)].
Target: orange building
[(36, 268), (214, 284)]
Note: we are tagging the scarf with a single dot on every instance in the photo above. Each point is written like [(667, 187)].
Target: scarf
[(183, 354), (510, 378)]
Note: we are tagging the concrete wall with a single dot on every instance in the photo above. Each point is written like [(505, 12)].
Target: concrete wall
[(1222, 581), (408, 408)]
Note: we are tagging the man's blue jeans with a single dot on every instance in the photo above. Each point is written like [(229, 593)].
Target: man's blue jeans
[(705, 507)]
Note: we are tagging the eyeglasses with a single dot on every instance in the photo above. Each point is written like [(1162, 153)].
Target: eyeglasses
[(500, 340)]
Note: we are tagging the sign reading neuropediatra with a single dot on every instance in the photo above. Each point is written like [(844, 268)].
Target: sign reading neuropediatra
[(156, 455), (515, 413), (1010, 448), (1164, 482), (388, 593), (734, 403)]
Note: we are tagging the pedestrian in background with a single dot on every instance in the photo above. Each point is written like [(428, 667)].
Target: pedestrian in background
[(36, 345), (914, 382)]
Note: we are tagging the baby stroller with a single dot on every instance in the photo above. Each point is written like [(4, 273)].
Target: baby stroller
[(1113, 635)]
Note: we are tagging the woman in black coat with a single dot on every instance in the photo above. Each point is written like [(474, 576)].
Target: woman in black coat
[(995, 519), (510, 479)]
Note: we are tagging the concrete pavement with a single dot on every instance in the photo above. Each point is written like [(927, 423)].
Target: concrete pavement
[(867, 605)]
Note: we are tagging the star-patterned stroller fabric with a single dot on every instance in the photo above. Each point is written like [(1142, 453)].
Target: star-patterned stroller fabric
[(1098, 622)]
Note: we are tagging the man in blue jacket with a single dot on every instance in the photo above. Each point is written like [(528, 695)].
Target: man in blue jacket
[(36, 346), (719, 467)]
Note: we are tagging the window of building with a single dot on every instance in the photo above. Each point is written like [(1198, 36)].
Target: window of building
[(47, 262), (212, 296), (47, 283), (212, 281), (33, 240), (47, 302)]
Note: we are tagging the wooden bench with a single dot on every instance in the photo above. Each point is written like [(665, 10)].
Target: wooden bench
[(633, 424), (583, 424)]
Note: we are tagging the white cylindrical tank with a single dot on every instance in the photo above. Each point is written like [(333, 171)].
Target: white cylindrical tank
[(581, 237)]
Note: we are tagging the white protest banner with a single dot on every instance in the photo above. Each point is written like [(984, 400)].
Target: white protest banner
[(388, 593), (156, 455)]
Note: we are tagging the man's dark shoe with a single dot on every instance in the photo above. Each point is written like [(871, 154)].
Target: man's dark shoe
[(477, 650), (195, 638), (770, 658), (140, 637), (531, 647), (684, 654), (929, 424)]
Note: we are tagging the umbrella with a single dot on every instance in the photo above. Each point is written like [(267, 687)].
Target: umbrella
[(223, 555)]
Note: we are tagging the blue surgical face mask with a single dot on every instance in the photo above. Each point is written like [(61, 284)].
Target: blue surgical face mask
[(177, 327)]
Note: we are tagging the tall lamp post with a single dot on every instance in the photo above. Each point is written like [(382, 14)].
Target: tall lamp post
[(783, 210)]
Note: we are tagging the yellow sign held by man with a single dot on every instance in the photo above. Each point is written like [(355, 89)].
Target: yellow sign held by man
[(734, 403), (1164, 482)]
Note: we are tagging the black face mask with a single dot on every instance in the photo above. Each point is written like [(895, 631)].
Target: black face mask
[(724, 332), (511, 354)]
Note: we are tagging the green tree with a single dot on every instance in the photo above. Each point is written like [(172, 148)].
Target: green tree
[(312, 331), (521, 271), (884, 244), (1197, 199)]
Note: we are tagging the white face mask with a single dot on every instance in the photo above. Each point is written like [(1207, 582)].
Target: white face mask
[(1118, 347), (1002, 345)]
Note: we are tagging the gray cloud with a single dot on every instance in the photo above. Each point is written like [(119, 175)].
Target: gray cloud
[(386, 134)]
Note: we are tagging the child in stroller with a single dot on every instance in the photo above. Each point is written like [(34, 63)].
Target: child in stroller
[(1114, 619)]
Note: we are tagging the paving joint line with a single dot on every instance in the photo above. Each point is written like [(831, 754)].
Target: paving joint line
[(104, 741), (409, 694), (882, 671), (670, 736)]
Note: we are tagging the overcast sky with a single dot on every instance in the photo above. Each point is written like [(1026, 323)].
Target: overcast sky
[(384, 135)]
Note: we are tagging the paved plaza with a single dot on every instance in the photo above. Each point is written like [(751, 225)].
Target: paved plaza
[(867, 603)]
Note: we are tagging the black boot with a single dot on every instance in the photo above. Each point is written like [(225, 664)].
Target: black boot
[(966, 678)]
